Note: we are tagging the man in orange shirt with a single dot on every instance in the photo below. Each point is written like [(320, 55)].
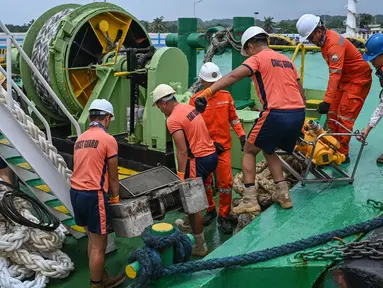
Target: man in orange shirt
[(219, 115), (350, 77), (281, 121), (196, 154), (95, 172)]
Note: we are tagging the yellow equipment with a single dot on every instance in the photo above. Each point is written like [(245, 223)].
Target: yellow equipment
[(325, 147)]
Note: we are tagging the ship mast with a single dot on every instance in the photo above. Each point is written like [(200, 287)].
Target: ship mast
[(351, 18)]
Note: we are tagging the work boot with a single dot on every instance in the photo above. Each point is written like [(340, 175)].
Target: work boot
[(200, 248), (380, 159), (225, 225), (347, 160), (209, 217), (184, 224), (281, 195), (109, 282), (249, 201)]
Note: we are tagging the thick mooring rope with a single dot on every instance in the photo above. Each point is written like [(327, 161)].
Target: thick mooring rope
[(157, 270), (40, 55), (26, 251), (38, 137), (219, 41)]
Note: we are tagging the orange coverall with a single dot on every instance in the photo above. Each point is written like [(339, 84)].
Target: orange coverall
[(220, 113), (349, 84)]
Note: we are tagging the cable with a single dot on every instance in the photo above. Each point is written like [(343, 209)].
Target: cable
[(47, 221)]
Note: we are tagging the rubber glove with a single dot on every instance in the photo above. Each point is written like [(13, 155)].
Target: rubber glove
[(201, 101), (323, 107), (219, 148), (181, 175), (114, 200)]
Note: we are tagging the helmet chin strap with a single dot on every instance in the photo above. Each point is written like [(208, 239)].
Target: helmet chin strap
[(321, 42)]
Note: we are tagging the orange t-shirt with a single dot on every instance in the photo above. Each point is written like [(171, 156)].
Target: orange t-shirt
[(186, 118), (92, 150), (276, 80)]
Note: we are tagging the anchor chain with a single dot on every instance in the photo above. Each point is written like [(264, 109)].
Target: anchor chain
[(351, 250)]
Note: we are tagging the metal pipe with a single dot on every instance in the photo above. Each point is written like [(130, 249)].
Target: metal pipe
[(9, 74), (41, 78), (33, 107), (296, 51)]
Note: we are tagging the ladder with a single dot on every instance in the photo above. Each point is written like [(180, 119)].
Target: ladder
[(31, 166)]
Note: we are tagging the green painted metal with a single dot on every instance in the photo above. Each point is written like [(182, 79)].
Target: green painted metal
[(25, 70), (160, 70), (110, 88), (187, 26), (240, 90)]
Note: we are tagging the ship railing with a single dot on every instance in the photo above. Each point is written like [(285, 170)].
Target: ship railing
[(10, 40)]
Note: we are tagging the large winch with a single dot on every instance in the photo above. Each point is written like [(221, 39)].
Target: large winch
[(100, 51)]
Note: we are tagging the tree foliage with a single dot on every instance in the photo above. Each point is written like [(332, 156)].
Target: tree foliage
[(159, 25)]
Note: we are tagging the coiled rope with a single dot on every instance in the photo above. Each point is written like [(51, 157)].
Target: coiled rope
[(219, 41), (8, 208), (38, 137), (157, 270), (40, 58), (150, 259), (27, 251)]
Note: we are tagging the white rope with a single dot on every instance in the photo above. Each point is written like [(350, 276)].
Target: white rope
[(25, 251), (38, 137)]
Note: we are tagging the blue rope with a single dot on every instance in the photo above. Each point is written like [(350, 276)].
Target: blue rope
[(150, 259), (152, 269), (271, 253)]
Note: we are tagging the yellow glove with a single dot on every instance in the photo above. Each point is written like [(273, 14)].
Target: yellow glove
[(181, 175), (114, 200)]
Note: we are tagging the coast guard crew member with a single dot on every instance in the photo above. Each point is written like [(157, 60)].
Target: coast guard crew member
[(196, 153), (281, 121), (95, 172), (219, 115), (350, 77)]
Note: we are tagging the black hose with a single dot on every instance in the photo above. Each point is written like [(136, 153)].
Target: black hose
[(47, 221)]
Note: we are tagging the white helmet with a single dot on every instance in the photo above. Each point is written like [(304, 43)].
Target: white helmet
[(306, 25), (162, 91), (250, 33), (210, 72), (101, 107)]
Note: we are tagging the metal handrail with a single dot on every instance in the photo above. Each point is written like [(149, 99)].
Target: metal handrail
[(30, 104), (41, 78)]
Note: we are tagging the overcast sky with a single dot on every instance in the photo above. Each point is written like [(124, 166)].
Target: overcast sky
[(22, 11)]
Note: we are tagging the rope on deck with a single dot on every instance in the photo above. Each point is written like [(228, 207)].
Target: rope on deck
[(157, 270), (150, 259)]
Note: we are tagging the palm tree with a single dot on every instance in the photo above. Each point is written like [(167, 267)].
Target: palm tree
[(158, 26), (268, 24)]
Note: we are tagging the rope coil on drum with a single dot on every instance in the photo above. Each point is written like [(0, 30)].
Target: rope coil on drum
[(40, 58)]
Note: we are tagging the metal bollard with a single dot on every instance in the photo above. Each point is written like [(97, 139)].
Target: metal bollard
[(167, 255)]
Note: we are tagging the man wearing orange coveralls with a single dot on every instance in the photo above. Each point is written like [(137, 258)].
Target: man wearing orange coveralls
[(350, 77), (219, 115)]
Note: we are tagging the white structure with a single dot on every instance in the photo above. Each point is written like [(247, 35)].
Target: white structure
[(351, 18)]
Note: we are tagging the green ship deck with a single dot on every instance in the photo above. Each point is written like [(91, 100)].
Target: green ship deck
[(318, 208)]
